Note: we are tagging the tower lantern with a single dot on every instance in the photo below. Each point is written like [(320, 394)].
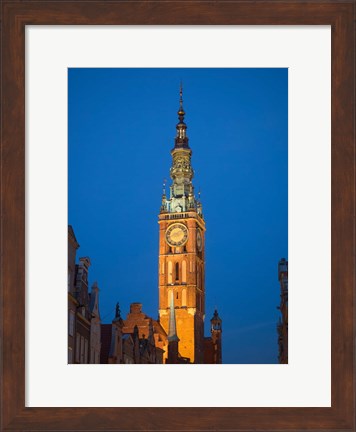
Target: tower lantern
[(216, 322)]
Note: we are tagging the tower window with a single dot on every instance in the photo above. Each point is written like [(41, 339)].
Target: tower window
[(184, 297), (170, 272), (177, 271), (184, 271)]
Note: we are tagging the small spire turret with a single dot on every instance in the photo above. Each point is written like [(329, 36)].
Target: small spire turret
[(216, 334), (172, 331), (164, 197), (173, 339), (117, 313)]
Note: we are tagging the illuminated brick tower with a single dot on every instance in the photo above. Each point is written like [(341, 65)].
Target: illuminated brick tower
[(182, 251)]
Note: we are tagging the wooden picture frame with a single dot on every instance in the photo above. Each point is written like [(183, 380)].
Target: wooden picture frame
[(15, 16)]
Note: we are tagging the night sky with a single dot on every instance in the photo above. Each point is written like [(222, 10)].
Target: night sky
[(121, 128)]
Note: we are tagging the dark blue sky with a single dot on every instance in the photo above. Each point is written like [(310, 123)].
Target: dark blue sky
[(121, 130)]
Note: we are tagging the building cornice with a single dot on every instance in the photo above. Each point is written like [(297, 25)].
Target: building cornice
[(72, 298), (79, 315), (184, 216)]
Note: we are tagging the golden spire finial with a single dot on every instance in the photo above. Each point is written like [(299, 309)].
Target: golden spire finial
[(181, 109)]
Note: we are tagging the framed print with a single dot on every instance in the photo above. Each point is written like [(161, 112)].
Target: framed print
[(312, 43), (49, 47)]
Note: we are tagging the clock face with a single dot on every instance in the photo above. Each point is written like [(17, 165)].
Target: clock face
[(176, 234), (199, 241)]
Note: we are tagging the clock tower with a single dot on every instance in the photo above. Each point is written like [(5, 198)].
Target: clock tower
[(182, 251)]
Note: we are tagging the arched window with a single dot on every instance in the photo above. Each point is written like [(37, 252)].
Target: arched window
[(170, 270), (184, 271), (162, 268), (184, 297), (177, 271)]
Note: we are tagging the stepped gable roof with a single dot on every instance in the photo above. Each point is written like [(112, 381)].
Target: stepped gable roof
[(137, 318)]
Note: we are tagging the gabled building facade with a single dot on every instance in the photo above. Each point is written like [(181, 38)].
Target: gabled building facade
[(83, 309), (282, 326), (73, 246), (95, 324)]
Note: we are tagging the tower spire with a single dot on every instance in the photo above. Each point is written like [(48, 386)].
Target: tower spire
[(181, 112), (182, 196), (181, 140)]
